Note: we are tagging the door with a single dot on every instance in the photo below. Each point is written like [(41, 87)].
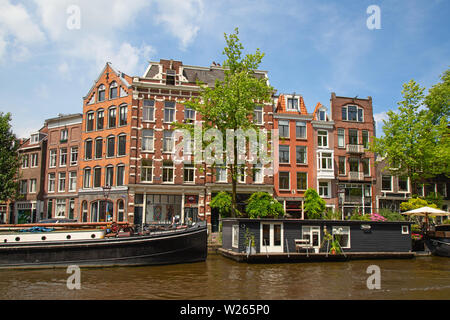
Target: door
[(271, 237), (312, 234), (190, 215)]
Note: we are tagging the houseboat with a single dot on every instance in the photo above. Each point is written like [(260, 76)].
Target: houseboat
[(276, 240), (438, 240), (53, 245)]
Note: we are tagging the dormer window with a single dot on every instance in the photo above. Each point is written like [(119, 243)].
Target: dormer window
[(113, 90), (292, 104), (101, 93), (34, 138), (170, 77), (322, 115)]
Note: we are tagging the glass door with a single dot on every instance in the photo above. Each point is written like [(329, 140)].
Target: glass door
[(312, 234), (271, 237)]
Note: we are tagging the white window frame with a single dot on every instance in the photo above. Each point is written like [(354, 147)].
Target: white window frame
[(339, 131), (293, 99), (62, 181), (307, 233), (166, 167), (146, 175), (342, 230), (52, 159), (258, 176), (288, 128), (89, 181), (221, 174), (32, 187), (51, 182), (306, 155), (72, 181), (170, 140), (34, 160), (405, 229), (148, 107), (148, 139), (190, 168), (271, 247), (172, 111), (320, 139), (64, 135), (62, 156), (60, 204), (301, 124), (322, 188), (73, 156), (235, 236), (258, 115)]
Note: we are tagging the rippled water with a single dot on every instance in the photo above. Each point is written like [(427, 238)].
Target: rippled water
[(220, 278)]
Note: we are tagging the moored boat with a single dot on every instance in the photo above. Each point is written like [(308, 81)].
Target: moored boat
[(98, 248), (438, 241)]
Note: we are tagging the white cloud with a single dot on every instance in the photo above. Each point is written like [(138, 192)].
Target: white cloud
[(379, 117), (181, 17)]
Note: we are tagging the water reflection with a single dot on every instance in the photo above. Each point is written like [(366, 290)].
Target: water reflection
[(220, 278)]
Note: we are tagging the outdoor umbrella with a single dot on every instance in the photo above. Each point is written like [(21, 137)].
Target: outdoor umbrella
[(425, 212)]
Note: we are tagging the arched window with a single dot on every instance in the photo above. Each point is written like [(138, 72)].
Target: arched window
[(90, 121), (102, 211), (97, 177), (100, 119), (84, 211), (113, 90), (87, 178), (123, 109), (120, 210), (109, 175), (88, 149), (94, 211), (122, 144), (101, 93), (112, 116), (120, 175), (110, 146), (98, 148)]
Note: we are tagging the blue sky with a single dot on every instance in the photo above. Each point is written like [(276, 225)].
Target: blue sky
[(311, 47)]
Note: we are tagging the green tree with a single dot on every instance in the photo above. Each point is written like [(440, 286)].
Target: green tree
[(413, 144), (314, 205), (9, 159), (415, 203), (438, 99), (262, 204), (230, 104), (222, 202)]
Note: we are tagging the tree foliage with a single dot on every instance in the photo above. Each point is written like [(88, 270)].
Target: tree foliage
[(415, 203), (314, 205), (222, 202), (9, 159), (263, 205), (413, 143)]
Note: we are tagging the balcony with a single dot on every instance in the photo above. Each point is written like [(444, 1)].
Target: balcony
[(358, 176), (325, 173), (355, 148)]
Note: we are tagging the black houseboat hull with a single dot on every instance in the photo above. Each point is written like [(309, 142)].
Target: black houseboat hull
[(181, 246), (438, 246)]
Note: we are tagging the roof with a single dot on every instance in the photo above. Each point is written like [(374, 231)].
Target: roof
[(281, 105)]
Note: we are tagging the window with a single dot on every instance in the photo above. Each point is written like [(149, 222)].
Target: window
[(34, 138), (168, 141), (146, 170), (72, 181), (109, 176), (258, 115), (71, 208), (353, 136), (189, 173), (170, 77), (98, 148), (292, 104), (189, 114), (120, 175), (235, 236), (113, 90), (110, 146), (97, 177), (120, 210), (73, 156), (123, 110), (284, 154), (88, 150), (148, 110), (64, 135), (122, 145), (405, 229), (324, 189), (84, 211), (62, 157), (62, 182), (342, 165), (353, 164), (322, 115), (300, 130), (283, 180), (366, 166), (169, 111), (325, 160), (258, 174), (302, 183), (341, 138), (90, 121), (60, 208), (221, 174), (403, 184), (241, 174), (101, 93), (386, 183), (34, 160), (352, 113), (32, 186), (167, 171), (87, 178), (147, 140), (51, 182), (100, 119), (322, 138), (365, 139), (300, 154), (283, 127), (25, 161), (49, 208), (342, 234), (112, 117)]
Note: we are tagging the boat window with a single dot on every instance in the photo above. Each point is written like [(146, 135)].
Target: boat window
[(405, 230)]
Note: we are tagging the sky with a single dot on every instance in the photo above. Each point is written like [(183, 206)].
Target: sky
[(52, 51)]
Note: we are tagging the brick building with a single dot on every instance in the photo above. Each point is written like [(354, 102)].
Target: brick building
[(354, 130), (295, 153), (29, 207), (61, 168)]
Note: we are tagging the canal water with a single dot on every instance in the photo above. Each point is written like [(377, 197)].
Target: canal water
[(220, 278)]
